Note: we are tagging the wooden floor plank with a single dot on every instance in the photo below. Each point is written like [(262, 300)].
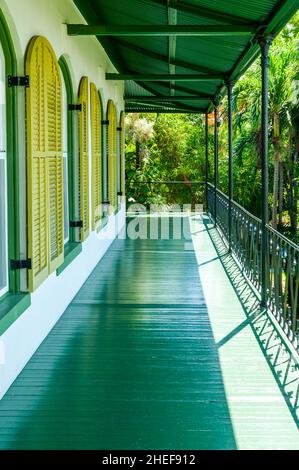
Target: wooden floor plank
[(154, 352)]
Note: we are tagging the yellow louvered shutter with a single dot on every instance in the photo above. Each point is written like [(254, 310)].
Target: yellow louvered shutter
[(44, 161), (83, 159), (96, 156), (112, 157), (122, 153)]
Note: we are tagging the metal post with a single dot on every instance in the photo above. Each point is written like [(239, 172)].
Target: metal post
[(216, 103), (230, 161), (265, 43), (207, 159)]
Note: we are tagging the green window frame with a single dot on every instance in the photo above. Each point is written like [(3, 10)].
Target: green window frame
[(13, 303), (12, 165), (73, 247), (67, 78)]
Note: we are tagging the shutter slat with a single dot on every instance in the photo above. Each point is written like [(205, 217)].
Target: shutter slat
[(44, 161)]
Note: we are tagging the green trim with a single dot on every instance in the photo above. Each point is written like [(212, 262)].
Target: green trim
[(12, 152), (11, 308), (103, 148), (70, 142), (160, 30), (120, 134), (102, 224), (116, 211), (71, 251)]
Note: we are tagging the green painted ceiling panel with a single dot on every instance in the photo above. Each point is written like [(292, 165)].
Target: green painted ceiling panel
[(229, 54), (211, 53), (252, 10)]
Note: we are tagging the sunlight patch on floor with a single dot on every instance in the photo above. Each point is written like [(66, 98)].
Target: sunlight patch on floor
[(260, 416)]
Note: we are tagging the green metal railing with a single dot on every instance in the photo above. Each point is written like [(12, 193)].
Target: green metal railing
[(282, 259)]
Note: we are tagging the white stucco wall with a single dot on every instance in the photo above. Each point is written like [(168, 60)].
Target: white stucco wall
[(49, 302), (85, 57)]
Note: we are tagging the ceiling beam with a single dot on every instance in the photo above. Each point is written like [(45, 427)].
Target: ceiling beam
[(160, 30), (162, 58), (140, 104), (166, 99), (153, 104), (151, 77), (183, 89), (203, 12), (165, 111)]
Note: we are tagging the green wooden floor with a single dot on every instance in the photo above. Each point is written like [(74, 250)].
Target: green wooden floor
[(154, 352)]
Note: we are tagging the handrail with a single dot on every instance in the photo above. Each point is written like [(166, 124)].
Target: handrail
[(282, 259), (236, 204), (283, 237)]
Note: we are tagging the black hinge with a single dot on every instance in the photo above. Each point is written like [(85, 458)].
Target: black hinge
[(20, 264), (75, 107), (76, 223), (119, 193), (105, 123), (13, 80), (119, 128)]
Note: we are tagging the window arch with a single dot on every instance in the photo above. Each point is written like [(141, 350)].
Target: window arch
[(83, 159), (112, 156), (96, 155), (44, 161), (9, 162), (65, 154), (68, 149)]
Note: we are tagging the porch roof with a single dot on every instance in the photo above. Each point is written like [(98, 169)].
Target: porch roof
[(145, 38)]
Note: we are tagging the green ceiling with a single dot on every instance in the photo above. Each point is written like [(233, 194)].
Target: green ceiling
[(223, 50)]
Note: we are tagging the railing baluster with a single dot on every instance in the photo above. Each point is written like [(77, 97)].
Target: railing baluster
[(282, 279)]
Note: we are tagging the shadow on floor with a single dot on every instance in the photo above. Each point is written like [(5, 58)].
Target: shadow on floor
[(132, 363), (276, 350)]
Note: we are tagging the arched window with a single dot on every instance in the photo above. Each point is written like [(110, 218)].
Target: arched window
[(83, 159), (68, 149), (44, 161), (3, 181), (96, 155), (112, 156), (65, 154), (122, 152)]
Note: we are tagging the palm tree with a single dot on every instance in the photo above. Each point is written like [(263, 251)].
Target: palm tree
[(280, 93)]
